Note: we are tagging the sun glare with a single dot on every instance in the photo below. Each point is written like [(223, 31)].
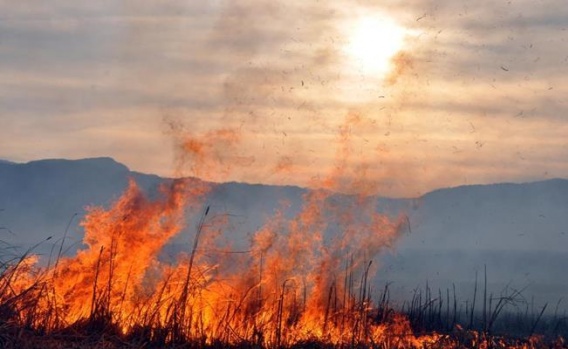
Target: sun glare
[(372, 42)]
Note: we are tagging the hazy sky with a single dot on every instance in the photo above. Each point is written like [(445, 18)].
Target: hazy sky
[(477, 92)]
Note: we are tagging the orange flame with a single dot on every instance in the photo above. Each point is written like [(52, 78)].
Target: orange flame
[(303, 279)]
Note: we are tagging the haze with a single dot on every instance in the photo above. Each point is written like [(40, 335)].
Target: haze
[(476, 94)]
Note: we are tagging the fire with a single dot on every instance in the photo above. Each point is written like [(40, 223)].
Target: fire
[(305, 279), (122, 244)]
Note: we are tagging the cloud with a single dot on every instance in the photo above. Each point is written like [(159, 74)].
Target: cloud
[(491, 73)]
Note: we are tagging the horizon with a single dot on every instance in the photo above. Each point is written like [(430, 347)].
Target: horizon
[(291, 185)]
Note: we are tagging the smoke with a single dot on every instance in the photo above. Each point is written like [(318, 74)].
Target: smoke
[(403, 65)]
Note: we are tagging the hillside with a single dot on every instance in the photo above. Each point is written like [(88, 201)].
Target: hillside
[(520, 231)]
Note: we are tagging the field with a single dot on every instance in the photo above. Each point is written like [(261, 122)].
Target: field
[(292, 288)]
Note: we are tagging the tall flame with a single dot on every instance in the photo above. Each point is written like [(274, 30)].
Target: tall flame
[(305, 278)]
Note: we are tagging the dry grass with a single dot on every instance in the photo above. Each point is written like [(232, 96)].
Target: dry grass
[(26, 324)]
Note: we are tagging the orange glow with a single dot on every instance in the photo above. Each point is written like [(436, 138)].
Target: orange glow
[(295, 283)]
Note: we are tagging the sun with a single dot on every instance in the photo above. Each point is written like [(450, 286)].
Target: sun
[(372, 41)]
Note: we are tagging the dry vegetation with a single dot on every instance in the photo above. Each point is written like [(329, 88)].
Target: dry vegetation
[(291, 289)]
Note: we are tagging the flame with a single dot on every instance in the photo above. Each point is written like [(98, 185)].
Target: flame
[(303, 279)]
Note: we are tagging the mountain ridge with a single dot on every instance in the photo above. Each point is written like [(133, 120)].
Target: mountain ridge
[(109, 161), (518, 229)]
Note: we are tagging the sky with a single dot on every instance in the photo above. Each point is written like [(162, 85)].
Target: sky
[(271, 92)]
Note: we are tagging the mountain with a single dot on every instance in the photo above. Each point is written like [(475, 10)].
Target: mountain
[(525, 216), (38, 199), (518, 231)]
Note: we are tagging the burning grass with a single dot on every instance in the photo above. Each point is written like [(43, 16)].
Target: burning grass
[(293, 288)]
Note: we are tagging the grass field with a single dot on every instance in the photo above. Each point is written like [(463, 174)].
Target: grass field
[(291, 289)]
